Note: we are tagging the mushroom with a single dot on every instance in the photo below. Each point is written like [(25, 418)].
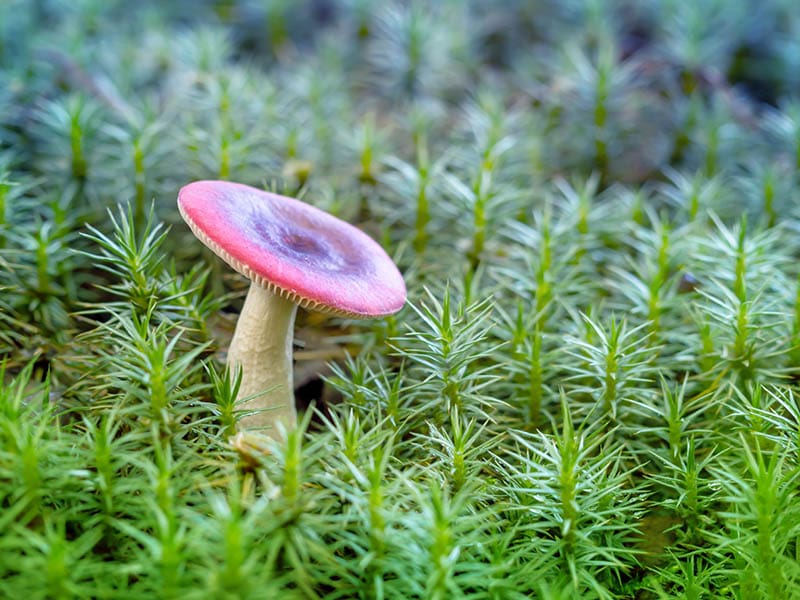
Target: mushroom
[(294, 255)]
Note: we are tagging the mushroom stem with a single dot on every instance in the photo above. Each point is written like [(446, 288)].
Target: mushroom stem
[(262, 347)]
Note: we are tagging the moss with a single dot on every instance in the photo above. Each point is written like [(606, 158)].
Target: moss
[(592, 392)]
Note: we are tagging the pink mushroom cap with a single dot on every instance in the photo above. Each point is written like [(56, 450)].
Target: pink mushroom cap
[(294, 249)]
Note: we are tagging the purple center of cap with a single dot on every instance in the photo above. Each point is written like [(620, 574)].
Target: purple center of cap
[(303, 241), (320, 260)]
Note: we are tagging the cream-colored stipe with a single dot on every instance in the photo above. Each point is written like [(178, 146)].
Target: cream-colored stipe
[(262, 347)]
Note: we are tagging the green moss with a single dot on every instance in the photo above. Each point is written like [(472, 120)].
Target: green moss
[(592, 392)]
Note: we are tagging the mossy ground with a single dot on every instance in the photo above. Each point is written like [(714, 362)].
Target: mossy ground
[(591, 392)]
